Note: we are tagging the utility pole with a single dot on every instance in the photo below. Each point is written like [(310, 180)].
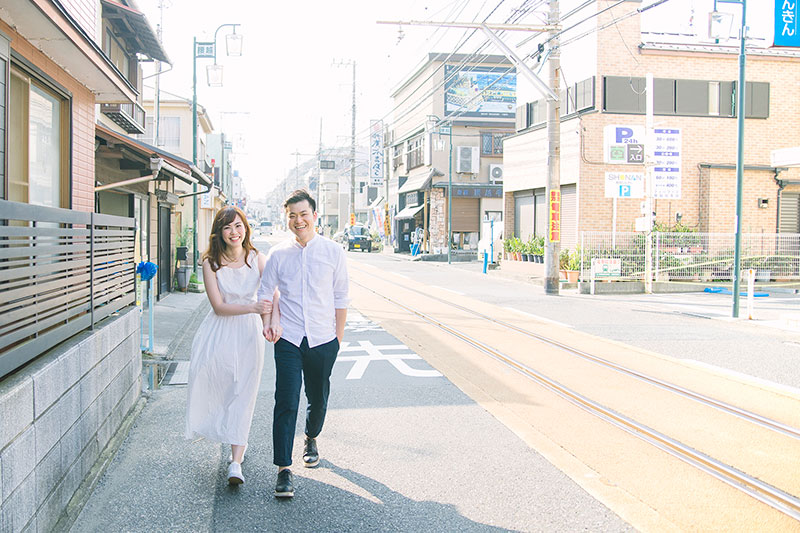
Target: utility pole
[(553, 191), (353, 152)]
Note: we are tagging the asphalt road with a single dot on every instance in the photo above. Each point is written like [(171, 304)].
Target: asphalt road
[(403, 449), (693, 327)]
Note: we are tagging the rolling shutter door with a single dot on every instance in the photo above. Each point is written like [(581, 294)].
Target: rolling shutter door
[(569, 216), (523, 216), (789, 221), (466, 214)]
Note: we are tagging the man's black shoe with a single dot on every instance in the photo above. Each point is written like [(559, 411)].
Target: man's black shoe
[(284, 488), (310, 453)]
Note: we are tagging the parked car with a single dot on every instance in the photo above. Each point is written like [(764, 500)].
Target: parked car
[(266, 227), (358, 238)]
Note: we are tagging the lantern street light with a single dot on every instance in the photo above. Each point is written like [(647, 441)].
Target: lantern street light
[(233, 47)]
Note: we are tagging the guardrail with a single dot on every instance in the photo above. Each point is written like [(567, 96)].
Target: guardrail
[(61, 272)]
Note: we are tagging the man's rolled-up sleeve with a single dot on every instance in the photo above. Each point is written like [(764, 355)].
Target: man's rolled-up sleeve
[(341, 283), (269, 279)]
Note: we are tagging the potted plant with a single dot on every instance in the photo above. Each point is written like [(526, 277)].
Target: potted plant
[(525, 251), (538, 249), (506, 248)]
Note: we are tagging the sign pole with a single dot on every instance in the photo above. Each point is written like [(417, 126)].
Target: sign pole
[(649, 149), (614, 224)]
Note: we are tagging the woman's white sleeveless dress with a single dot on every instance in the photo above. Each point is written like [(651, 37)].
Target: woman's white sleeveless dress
[(226, 363)]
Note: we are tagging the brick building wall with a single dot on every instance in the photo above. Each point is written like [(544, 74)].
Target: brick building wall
[(708, 196), (83, 119)]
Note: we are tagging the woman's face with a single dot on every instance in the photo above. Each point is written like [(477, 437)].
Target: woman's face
[(233, 234)]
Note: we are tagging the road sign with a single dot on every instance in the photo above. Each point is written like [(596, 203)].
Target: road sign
[(624, 185), (667, 163), (606, 267), (623, 145)]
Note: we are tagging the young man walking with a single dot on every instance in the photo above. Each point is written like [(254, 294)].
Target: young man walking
[(310, 271)]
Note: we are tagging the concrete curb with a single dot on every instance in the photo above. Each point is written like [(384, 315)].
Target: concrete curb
[(181, 335), (86, 488)]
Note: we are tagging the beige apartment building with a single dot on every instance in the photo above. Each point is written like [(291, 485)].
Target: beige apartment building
[(695, 94), (451, 117)]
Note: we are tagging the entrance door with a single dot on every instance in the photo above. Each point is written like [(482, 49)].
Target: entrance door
[(163, 251)]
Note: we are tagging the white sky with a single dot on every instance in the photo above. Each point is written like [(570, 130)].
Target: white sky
[(275, 94)]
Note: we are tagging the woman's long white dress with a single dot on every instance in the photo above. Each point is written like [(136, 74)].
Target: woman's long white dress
[(226, 363)]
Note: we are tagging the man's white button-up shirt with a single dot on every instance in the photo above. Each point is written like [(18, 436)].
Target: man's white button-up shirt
[(313, 283)]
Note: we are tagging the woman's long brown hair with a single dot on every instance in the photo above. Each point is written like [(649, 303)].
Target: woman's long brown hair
[(216, 245)]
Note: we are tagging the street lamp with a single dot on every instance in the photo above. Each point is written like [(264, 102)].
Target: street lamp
[(448, 130), (233, 47), (717, 18)]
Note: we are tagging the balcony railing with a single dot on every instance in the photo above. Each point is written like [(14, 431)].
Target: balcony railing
[(61, 272), (130, 116)]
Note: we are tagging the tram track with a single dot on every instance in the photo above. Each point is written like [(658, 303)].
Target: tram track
[(754, 487)]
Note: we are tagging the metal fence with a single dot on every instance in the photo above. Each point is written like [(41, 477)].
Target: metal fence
[(61, 272), (688, 256)]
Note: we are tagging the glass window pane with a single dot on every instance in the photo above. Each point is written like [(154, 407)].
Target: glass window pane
[(44, 148)]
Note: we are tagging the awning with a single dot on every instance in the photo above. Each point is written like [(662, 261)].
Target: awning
[(409, 212), (135, 29), (419, 182), (155, 158)]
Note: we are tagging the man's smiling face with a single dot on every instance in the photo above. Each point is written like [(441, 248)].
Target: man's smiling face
[(301, 220)]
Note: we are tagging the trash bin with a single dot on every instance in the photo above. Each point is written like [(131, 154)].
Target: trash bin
[(182, 273)]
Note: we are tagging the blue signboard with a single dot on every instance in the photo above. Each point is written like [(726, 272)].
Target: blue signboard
[(786, 30)]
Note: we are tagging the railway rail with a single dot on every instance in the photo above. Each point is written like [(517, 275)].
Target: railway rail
[(768, 494)]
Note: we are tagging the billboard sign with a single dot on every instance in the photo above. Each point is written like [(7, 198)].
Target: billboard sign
[(624, 185), (376, 153), (786, 24), (623, 145), (480, 91)]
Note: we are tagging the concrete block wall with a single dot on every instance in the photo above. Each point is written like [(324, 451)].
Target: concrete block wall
[(56, 416)]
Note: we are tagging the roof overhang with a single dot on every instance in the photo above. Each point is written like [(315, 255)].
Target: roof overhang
[(50, 28), (418, 182), (409, 212), (135, 28), (159, 159)]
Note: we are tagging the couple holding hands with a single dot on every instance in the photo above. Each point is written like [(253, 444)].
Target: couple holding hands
[(296, 297)]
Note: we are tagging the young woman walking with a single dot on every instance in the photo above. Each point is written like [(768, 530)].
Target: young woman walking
[(228, 349)]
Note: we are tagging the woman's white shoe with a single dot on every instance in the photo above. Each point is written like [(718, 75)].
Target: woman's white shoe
[(235, 476)]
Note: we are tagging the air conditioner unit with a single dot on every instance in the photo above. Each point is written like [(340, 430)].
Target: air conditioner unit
[(496, 174), (467, 160)]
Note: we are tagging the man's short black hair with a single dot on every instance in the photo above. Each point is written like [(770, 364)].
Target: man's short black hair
[(298, 196)]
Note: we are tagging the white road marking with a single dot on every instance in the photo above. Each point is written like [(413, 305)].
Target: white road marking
[(537, 317), (376, 353), (450, 290), (746, 377)]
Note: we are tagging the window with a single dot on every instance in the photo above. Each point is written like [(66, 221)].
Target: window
[(38, 143), (169, 133), (397, 156), (4, 49), (416, 152), (626, 95), (117, 54), (492, 143)]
